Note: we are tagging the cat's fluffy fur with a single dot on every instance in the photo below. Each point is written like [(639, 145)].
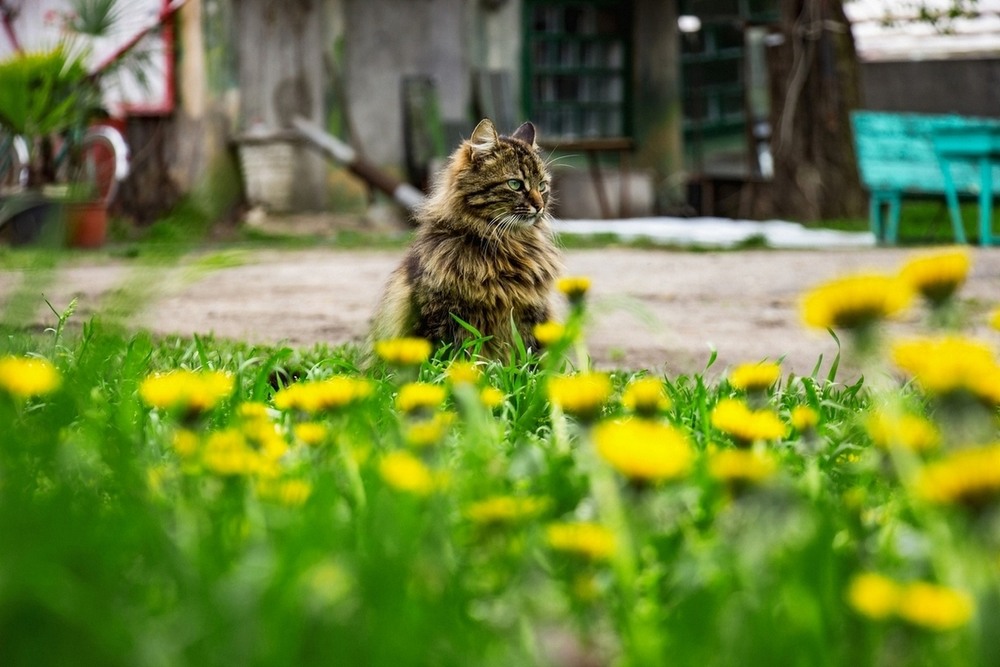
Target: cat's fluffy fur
[(483, 251)]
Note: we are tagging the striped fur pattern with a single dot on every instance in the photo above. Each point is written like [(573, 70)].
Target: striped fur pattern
[(483, 251)]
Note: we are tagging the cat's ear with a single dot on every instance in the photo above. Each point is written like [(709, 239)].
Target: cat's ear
[(525, 133), (484, 137)]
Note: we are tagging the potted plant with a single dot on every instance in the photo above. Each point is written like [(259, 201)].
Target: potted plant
[(50, 99)]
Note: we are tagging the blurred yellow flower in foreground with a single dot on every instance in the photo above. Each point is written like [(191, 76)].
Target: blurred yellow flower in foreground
[(741, 465), (405, 472), (310, 433), (403, 351), (227, 452), (549, 333), (574, 287), (947, 364), (934, 607), (505, 509), (288, 492), (908, 431), (491, 397), (746, 425), (185, 443), (580, 395), (646, 397), (414, 396), (427, 432), (28, 377), (937, 276), (804, 418), (920, 603), (590, 540), (855, 301), (643, 450), (755, 377), (463, 372), (312, 396), (968, 476), (194, 391), (874, 595)]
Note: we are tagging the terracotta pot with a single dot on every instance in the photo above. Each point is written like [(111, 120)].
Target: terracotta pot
[(86, 224)]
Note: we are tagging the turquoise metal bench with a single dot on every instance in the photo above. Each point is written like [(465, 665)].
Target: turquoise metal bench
[(898, 160)]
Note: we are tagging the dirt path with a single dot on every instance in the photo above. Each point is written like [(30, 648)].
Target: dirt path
[(660, 310)]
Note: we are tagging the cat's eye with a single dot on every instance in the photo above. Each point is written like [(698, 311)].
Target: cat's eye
[(543, 186), (514, 184)]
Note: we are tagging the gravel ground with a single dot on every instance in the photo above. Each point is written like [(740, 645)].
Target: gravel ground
[(655, 309)]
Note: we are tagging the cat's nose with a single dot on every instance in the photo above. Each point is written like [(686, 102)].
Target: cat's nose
[(536, 200)]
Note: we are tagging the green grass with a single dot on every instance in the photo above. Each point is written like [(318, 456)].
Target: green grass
[(134, 533), (922, 222)]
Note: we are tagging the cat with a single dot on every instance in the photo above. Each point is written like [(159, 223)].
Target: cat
[(484, 249)]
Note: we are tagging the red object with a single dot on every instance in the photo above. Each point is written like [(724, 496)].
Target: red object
[(86, 224)]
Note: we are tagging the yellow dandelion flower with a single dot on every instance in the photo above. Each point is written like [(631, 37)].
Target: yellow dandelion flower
[(28, 377), (252, 410), (736, 418), (741, 466), (314, 396), (804, 418), (265, 437), (755, 377), (590, 540), (969, 477), (580, 395), (574, 287), (937, 276), (646, 397), (415, 396), (404, 351), (874, 595), (643, 450), (227, 452), (185, 443), (934, 607), (311, 433), (549, 333), (182, 389), (505, 510), (855, 301), (491, 397), (405, 472), (947, 364), (908, 431), (287, 492), (427, 432), (463, 372)]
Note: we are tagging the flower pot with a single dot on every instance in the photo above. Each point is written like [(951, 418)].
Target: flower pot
[(86, 224)]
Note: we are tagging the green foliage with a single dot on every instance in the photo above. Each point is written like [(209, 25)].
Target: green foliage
[(133, 534), (44, 93)]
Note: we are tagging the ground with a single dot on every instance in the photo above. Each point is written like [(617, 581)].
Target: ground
[(655, 309)]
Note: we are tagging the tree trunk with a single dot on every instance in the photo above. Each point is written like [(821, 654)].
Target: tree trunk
[(815, 83)]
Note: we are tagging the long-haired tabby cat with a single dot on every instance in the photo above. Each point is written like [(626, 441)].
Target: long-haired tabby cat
[(483, 251)]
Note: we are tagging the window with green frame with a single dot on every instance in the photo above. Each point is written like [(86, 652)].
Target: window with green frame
[(577, 63), (720, 84)]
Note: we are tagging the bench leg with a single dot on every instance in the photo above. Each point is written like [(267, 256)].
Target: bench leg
[(875, 217), (895, 211), (951, 196), (985, 203)]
